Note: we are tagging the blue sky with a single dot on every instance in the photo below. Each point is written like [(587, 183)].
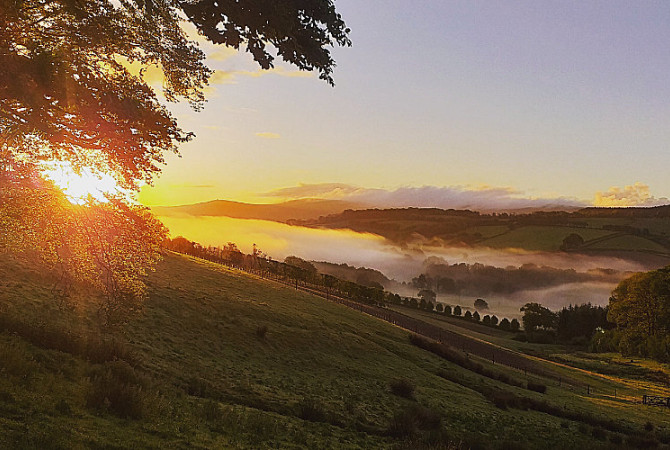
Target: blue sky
[(539, 98)]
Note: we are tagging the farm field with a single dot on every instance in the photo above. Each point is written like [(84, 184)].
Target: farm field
[(540, 238), (219, 358)]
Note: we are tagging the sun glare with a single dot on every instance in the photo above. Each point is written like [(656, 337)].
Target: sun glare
[(79, 187)]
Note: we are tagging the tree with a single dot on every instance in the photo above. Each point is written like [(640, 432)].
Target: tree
[(640, 308), (572, 241), (514, 325), (468, 315), (476, 316), (427, 295), (447, 310), (67, 93), (537, 316), (457, 310), (439, 307), (481, 304), (494, 321), (505, 324), (486, 320), (108, 245)]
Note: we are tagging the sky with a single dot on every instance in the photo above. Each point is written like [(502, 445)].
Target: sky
[(556, 100)]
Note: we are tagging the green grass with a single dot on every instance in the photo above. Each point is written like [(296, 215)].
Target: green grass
[(540, 238), (628, 242), (203, 377)]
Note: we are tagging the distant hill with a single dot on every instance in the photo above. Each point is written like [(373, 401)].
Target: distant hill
[(303, 209), (629, 231), (631, 212)]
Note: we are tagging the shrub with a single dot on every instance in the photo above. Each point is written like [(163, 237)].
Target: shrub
[(599, 433), (616, 439), (311, 410), (537, 387), (402, 387), (408, 421), (117, 387), (636, 441), (261, 331)]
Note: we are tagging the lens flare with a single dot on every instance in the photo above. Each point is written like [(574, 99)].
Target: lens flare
[(82, 186)]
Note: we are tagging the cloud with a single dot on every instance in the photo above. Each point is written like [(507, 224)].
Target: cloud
[(631, 195), (230, 76), (268, 135), (479, 198)]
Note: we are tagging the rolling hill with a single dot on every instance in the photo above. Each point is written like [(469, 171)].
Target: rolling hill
[(222, 359), (630, 232), (302, 209)]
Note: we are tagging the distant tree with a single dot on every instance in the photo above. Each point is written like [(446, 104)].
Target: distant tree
[(581, 321), (572, 241), (413, 303), (537, 316), (476, 316), (421, 282), (445, 285), (515, 325), (439, 307), (494, 321), (481, 304), (422, 303), (486, 320), (457, 310), (468, 315), (447, 310), (505, 324), (427, 295), (301, 263), (429, 306)]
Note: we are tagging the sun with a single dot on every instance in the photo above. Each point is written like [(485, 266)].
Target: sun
[(79, 187)]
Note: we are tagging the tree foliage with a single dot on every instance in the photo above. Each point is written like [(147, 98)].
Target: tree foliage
[(536, 316), (109, 245), (67, 94), (640, 308)]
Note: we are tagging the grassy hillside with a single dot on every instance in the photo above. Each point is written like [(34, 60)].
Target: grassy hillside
[(221, 359), (644, 231)]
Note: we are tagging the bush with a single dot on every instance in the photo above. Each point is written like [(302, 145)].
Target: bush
[(599, 433), (408, 421), (537, 387), (635, 441), (616, 439), (311, 410), (118, 388), (261, 331), (402, 387)]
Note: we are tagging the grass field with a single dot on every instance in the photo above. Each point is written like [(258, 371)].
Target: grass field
[(540, 238), (629, 243), (221, 359)]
